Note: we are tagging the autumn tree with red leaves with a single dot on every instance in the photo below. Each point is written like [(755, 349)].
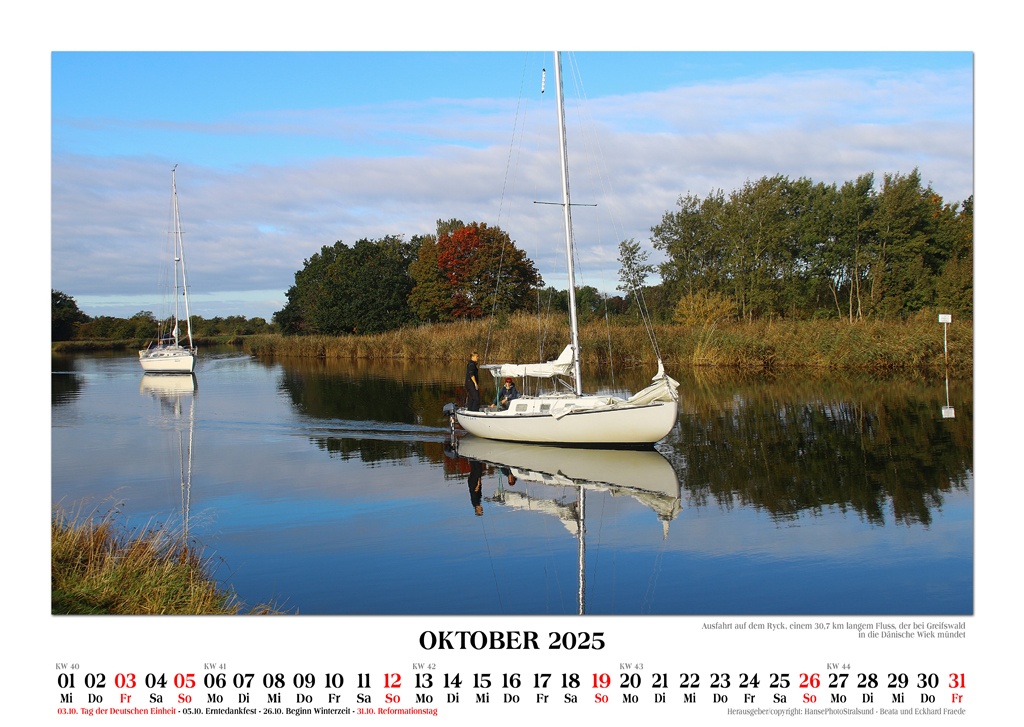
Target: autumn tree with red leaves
[(469, 271)]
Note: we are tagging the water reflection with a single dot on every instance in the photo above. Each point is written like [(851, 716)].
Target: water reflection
[(373, 412), (876, 449), (176, 395), (948, 411), (792, 447), (647, 476), (66, 383), (564, 476), (787, 494)]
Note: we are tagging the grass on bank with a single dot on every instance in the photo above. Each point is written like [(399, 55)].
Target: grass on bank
[(99, 568), (133, 344), (870, 346)]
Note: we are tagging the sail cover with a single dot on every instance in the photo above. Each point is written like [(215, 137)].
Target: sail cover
[(561, 366), (663, 388)]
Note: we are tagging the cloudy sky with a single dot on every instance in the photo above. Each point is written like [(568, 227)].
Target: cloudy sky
[(280, 153)]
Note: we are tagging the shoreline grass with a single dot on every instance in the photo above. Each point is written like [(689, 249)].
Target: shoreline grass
[(868, 346), (98, 567), (133, 344)]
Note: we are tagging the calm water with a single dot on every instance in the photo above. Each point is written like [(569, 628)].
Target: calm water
[(335, 489)]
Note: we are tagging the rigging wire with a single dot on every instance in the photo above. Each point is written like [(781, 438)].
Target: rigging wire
[(652, 581), (606, 184), (490, 558), (511, 172), (513, 169), (592, 145)]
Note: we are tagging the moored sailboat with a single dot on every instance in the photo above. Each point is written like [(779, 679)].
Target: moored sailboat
[(569, 416), (166, 354)]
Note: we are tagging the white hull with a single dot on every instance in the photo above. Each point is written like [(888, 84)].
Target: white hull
[(586, 420), (644, 471), (168, 360)]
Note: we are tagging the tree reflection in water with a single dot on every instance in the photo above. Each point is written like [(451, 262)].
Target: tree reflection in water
[(792, 445)]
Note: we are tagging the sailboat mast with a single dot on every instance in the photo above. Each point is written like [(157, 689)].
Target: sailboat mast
[(174, 254), (567, 217), (179, 261)]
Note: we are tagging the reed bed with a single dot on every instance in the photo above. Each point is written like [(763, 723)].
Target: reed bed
[(878, 346), (135, 344), (98, 567)]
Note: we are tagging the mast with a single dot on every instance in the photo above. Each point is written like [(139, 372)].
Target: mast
[(179, 261), (174, 252), (567, 217)]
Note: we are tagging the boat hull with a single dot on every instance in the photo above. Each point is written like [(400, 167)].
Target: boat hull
[(644, 471), (168, 360), (613, 426)]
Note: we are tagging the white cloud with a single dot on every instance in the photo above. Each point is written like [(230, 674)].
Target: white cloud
[(396, 169)]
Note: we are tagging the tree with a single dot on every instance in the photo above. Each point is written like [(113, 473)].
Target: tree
[(781, 247), (691, 237), (362, 289), (855, 209), (312, 299), (64, 316), (901, 279), (703, 310), (633, 266), (955, 286), (427, 299), (759, 224), (469, 271)]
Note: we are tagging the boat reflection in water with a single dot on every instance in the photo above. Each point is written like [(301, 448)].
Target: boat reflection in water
[(644, 475), (177, 398)]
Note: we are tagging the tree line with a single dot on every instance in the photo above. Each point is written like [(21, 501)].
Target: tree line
[(774, 248), (798, 249), (461, 271), (69, 322)]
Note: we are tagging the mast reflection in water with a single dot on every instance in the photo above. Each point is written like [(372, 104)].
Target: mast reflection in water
[(565, 475), (177, 397)]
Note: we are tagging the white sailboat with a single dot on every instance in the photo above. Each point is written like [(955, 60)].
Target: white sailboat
[(570, 416), (167, 355)]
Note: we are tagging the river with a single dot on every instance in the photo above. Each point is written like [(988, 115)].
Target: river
[(336, 488)]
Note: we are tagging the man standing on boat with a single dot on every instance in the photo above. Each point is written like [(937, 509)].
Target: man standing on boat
[(472, 383)]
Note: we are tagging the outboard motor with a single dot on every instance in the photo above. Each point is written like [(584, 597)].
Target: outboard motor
[(449, 411)]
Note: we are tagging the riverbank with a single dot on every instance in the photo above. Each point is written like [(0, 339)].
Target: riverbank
[(868, 346), (99, 568), (133, 344)]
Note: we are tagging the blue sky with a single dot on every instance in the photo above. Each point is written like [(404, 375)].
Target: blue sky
[(280, 153)]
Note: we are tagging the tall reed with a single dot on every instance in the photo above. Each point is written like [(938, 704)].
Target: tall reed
[(823, 344)]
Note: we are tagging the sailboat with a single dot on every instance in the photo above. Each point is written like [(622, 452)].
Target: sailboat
[(167, 355), (568, 416)]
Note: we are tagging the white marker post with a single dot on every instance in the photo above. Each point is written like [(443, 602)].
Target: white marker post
[(945, 319)]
